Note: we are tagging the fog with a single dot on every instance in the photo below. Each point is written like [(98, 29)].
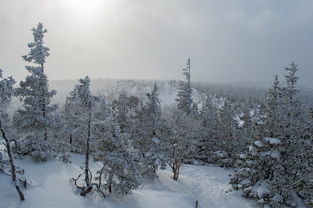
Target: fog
[(228, 41)]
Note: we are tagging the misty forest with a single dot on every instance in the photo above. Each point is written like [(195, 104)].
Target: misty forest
[(151, 143)]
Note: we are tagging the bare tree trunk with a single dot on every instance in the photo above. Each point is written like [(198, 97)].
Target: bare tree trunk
[(175, 168), (71, 139), (87, 177), (13, 170)]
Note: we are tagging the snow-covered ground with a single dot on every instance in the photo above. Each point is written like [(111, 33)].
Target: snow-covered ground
[(51, 188)]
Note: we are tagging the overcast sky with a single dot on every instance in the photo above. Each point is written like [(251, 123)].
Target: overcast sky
[(227, 40)]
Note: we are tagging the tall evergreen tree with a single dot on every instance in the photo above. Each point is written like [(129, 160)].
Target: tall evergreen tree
[(207, 142), (83, 102), (154, 109), (273, 110), (76, 114), (184, 100), (36, 116), (146, 134), (292, 108)]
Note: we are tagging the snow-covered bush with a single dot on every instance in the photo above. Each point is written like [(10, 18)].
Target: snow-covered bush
[(222, 159), (41, 150), (120, 173), (259, 177)]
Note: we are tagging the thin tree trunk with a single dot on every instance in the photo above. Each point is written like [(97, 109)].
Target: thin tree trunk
[(110, 188), (87, 178), (175, 168), (44, 106), (71, 139), (13, 170)]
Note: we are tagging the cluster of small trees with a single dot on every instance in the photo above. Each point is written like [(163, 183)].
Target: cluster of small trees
[(277, 167)]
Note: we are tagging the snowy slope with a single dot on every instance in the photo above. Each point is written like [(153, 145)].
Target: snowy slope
[(51, 188)]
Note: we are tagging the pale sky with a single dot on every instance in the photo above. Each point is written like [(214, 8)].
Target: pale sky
[(227, 40)]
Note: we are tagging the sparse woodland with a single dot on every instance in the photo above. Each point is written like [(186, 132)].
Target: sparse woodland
[(266, 136)]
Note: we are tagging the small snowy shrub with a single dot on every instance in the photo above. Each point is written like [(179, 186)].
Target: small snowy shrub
[(38, 149)]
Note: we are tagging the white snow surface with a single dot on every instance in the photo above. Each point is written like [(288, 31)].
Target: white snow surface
[(51, 188)]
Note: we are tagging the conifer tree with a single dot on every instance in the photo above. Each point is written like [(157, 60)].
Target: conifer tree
[(208, 139), (184, 100), (273, 110), (292, 108), (84, 102), (146, 134), (37, 115)]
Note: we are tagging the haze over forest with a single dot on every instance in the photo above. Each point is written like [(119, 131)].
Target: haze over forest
[(227, 40)]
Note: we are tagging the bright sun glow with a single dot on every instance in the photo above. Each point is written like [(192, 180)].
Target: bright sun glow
[(85, 9)]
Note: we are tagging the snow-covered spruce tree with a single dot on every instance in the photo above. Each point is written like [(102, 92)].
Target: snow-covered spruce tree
[(229, 142), (184, 100), (36, 117), (207, 144), (146, 135), (296, 165), (84, 102), (272, 110), (304, 186), (258, 171), (6, 92), (120, 173), (181, 131), (292, 107), (76, 112), (74, 118)]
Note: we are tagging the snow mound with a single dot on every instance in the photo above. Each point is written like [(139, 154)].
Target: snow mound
[(259, 143), (273, 141)]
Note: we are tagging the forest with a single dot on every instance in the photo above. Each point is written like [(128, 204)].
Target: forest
[(263, 135)]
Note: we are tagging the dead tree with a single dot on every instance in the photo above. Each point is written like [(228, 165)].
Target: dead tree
[(11, 161)]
